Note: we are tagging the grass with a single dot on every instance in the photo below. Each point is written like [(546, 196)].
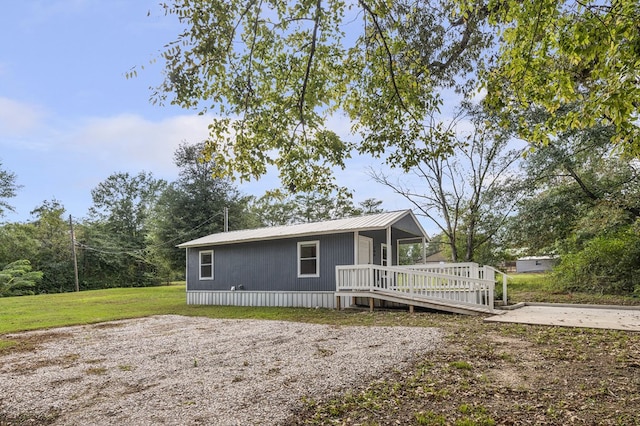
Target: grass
[(89, 307)]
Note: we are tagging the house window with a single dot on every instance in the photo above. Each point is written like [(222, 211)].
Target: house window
[(308, 259), (206, 265)]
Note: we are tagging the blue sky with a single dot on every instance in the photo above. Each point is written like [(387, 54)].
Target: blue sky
[(69, 118)]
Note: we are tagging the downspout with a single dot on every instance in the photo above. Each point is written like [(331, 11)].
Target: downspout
[(186, 269)]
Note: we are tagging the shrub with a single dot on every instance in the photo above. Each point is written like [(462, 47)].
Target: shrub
[(607, 264), (17, 279)]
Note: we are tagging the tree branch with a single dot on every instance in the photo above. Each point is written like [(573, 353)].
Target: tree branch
[(312, 51)]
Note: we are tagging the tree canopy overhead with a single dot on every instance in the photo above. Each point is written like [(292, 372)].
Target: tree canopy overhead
[(577, 59), (274, 72)]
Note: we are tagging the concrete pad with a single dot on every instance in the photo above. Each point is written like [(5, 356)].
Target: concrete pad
[(589, 316)]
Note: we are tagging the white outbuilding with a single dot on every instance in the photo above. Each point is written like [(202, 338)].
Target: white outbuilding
[(535, 263)]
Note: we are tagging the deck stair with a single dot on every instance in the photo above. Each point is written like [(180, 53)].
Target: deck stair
[(458, 288)]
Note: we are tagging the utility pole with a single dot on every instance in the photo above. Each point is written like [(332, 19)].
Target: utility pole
[(73, 251), (226, 219)]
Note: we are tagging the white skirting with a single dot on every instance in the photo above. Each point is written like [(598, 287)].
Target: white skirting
[(297, 299)]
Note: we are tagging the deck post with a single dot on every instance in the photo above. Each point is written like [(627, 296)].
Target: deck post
[(338, 302), (504, 289), (371, 304), (410, 309)]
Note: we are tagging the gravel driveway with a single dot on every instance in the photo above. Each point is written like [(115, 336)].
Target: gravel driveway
[(170, 370)]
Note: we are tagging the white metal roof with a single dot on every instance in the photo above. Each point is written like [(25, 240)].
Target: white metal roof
[(369, 222)]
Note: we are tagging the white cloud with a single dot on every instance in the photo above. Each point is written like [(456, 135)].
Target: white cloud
[(18, 119), (132, 141), (479, 95)]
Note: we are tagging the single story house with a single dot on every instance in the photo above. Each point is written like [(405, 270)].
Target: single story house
[(293, 265), (535, 263)]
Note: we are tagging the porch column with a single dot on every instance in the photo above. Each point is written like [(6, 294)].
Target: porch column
[(424, 250), (356, 249)]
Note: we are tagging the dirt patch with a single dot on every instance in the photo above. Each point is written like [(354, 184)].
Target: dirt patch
[(490, 374), (185, 370), (28, 341)]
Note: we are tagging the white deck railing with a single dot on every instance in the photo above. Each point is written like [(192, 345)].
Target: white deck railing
[(462, 269), (461, 284)]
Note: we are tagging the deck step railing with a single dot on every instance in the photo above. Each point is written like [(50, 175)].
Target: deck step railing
[(452, 286)]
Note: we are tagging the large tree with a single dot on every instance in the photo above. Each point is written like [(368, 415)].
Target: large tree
[(44, 242), (124, 202), (580, 187), (274, 72), (470, 194), (585, 206), (115, 238), (17, 241), (53, 257), (194, 205)]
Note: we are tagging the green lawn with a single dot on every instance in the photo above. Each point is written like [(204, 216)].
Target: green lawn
[(94, 306), (54, 310)]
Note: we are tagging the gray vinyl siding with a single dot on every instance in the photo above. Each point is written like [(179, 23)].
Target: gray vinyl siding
[(406, 227), (270, 265)]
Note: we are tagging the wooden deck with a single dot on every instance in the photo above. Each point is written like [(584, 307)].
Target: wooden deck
[(463, 288)]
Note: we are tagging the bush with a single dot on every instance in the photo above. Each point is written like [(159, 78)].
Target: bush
[(607, 264), (17, 279)]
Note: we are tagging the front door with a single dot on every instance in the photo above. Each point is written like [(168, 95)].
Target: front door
[(365, 250)]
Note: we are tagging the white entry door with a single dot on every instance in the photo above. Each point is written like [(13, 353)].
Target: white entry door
[(365, 250)]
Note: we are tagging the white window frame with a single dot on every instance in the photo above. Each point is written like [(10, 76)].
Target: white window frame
[(317, 258), (200, 264)]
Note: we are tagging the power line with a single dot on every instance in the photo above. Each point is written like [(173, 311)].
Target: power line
[(191, 230), (136, 252)]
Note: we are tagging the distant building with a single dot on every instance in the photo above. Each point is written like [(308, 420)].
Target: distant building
[(535, 263), (437, 257)]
